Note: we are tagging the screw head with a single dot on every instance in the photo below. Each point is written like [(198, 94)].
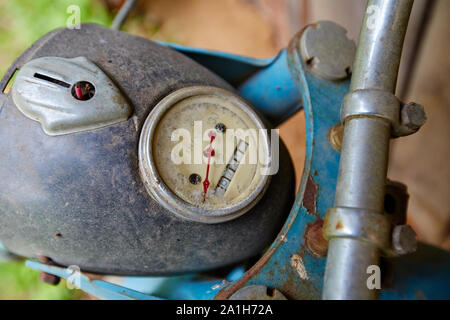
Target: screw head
[(404, 239), (327, 50), (413, 116)]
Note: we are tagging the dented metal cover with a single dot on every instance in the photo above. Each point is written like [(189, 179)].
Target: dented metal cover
[(44, 91)]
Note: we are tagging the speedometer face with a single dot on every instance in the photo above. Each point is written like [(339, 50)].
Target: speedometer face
[(202, 155)]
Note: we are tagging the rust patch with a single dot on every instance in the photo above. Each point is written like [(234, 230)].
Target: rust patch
[(314, 239), (228, 291), (310, 196), (339, 225)]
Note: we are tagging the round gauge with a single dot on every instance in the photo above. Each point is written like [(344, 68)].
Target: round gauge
[(202, 155)]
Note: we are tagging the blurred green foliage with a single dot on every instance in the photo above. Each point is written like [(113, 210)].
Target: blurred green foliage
[(20, 282), (22, 22)]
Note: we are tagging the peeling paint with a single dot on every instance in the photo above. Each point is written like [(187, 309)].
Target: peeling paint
[(297, 263)]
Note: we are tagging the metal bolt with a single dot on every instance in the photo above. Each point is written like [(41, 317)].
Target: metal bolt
[(327, 51), (404, 239), (413, 116), (257, 293), (49, 278)]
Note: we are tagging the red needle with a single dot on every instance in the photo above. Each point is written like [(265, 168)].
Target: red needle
[(79, 93), (210, 152)]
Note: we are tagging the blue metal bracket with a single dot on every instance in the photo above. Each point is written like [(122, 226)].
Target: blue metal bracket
[(233, 68), (97, 288), (295, 262)]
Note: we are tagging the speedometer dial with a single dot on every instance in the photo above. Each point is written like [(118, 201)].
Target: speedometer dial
[(202, 155)]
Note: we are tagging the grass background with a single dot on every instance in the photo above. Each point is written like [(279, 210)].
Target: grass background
[(22, 22), (20, 282)]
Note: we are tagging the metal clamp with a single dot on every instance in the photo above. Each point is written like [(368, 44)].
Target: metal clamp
[(360, 224), (405, 119), (387, 230), (378, 229), (371, 103)]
